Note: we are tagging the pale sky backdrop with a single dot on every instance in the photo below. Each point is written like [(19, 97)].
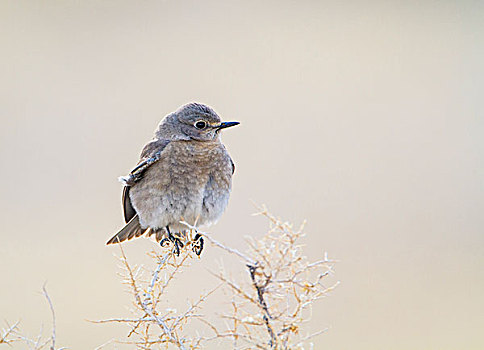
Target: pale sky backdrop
[(364, 117)]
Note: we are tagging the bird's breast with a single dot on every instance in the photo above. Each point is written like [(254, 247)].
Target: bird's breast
[(191, 181)]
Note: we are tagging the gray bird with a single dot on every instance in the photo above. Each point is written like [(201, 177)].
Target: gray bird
[(184, 174)]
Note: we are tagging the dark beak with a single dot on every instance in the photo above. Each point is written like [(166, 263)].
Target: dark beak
[(227, 125)]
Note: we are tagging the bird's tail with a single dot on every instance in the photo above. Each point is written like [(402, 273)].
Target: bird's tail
[(132, 229)]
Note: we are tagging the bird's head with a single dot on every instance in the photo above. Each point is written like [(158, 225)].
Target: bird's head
[(193, 121)]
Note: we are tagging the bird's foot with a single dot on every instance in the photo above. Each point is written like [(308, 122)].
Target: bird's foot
[(177, 243), (197, 245)]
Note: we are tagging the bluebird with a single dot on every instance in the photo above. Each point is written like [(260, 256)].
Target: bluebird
[(184, 174)]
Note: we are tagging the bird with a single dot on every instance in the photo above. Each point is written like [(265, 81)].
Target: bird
[(184, 175)]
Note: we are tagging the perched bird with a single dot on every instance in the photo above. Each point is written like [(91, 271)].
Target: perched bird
[(184, 174)]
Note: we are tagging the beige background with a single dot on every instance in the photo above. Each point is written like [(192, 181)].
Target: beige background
[(365, 118)]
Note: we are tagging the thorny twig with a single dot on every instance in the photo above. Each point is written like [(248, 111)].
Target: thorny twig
[(286, 285), (12, 333), (5, 337), (148, 294)]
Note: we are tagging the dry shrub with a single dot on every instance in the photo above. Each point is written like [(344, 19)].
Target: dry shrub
[(269, 308)]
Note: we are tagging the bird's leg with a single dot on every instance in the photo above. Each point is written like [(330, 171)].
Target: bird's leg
[(175, 240), (198, 244)]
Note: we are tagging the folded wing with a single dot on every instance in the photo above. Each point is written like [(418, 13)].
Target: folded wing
[(150, 154)]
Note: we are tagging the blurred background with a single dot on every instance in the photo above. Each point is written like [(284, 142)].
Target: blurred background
[(365, 118)]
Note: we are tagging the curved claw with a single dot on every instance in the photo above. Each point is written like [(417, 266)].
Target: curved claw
[(197, 244), (163, 241), (177, 243), (177, 249), (175, 240)]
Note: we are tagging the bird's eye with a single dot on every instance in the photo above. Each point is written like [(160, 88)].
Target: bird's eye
[(200, 124)]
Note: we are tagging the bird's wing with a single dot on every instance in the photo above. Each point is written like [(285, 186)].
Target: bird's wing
[(150, 154), (128, 209)]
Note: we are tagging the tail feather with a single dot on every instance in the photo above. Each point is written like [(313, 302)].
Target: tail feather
[(159, 234), (132, 229)]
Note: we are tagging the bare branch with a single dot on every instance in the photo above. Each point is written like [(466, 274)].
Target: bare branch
[(218, 244), (51, 306)]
